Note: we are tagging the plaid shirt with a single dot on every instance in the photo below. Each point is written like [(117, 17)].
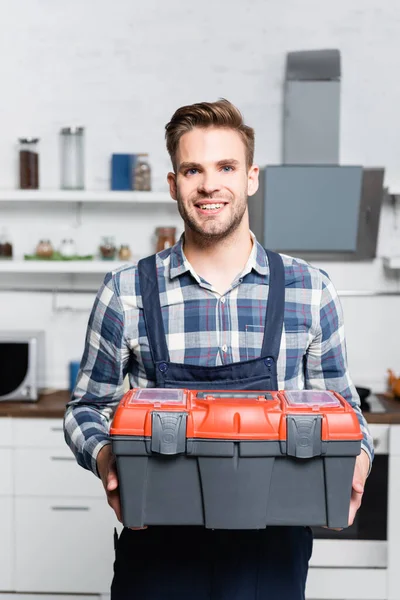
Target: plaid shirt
[(205, 328)]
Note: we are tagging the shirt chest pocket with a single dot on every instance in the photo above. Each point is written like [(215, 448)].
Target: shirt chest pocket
[(294, 343)]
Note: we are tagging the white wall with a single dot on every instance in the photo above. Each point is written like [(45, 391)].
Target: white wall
[(122, 68)]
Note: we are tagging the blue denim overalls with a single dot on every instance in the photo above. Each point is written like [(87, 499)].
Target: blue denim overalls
[(194, 563)]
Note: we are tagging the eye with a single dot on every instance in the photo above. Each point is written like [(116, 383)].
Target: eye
[(191, 172), (227, 168)]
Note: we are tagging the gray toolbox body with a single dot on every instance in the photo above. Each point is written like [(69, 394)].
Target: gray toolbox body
[(167, 478)]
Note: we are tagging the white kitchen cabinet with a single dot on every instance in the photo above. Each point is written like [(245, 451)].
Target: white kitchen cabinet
[(63, 545), (351, 584), (38, 433), (6, 543), (53, 472), (6, 432), (56, 528), (6, 475), (394, 514)]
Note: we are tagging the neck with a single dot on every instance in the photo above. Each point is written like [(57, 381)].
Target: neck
[(221, 261)]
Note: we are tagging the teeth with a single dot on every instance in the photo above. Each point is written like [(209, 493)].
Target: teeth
[(210, 206)]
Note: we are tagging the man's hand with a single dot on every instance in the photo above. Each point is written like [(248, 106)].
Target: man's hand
[(107, 469), (359, 478), (108, 473)]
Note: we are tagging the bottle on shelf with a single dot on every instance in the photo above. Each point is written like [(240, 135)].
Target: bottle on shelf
[(28, 163)]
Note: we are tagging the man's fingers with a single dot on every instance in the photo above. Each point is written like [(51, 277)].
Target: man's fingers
[(115, 503), (112, 476), (355, 501), (112, 481), (358, 487)]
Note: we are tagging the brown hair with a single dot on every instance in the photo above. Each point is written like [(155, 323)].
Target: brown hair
[(208, 114)]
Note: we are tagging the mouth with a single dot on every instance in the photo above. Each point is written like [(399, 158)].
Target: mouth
[(210, 208)]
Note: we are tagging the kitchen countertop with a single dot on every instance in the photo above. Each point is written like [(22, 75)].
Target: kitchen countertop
[(49, 406), (52, 406)]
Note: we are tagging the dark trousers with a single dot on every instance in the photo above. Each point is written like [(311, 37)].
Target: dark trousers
[(193, 563)]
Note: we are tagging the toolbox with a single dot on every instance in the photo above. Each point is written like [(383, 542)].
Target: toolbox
[(229, 459)]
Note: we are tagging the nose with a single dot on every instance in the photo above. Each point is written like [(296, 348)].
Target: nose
[(209, 184)]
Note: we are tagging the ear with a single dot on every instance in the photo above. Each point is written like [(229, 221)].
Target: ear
[(252, 181), (171, 178)]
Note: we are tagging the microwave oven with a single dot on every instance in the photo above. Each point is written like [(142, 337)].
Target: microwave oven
[(21, 365)]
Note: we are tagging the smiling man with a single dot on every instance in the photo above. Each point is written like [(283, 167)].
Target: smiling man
[(224, 313)]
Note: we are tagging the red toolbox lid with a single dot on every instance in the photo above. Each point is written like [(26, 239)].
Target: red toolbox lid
[(237, 415)]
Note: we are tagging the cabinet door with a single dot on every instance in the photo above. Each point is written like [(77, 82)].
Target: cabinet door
[(53, 472), (6, 482), (6, 432), (6, 543), (39, 433), (64, 545)]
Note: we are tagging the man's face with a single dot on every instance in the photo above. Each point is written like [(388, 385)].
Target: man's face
[(212, 181)]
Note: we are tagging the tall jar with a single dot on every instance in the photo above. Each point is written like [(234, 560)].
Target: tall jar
[(72, 158), (28, 163), (142, 174), (165, 238)]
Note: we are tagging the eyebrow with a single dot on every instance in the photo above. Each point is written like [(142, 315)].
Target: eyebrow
[(193, 165)]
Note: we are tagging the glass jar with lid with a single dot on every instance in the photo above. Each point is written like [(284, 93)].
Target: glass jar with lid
[(28, 163), (108, 248), (6, 249), (44, 249), (165, 237), (67, 248), (72, 158), (124, 252), (142, 174)]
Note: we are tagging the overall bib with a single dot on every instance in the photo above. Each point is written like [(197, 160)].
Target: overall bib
[(194, 563)]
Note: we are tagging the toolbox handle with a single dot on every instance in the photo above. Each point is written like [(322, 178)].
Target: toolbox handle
[(168, 434), (244, 395)]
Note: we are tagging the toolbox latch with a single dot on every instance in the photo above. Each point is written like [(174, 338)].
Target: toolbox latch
[(168, 432), (304, 435)]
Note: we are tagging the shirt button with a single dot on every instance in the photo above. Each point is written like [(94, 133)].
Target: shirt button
[(223, 299), (224, 348)]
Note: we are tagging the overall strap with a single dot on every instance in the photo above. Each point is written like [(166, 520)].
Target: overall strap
[(275, 306), (152, 309)]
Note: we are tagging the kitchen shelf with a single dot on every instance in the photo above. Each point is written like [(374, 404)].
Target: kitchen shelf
[(85, 196), (60, 267)]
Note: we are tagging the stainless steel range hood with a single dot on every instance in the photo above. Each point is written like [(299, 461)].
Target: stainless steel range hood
[(311, 205)]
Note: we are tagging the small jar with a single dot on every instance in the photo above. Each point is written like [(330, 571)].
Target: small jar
[(44, 249), (68, 248), (142, 174), (165, 237), (72, 158), (107, 248), (6, 250), (124, 252), (28, 164)]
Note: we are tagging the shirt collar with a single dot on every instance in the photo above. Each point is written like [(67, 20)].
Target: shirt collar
[(179, 264)]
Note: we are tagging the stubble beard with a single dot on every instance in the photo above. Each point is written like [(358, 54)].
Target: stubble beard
[(207, 236)]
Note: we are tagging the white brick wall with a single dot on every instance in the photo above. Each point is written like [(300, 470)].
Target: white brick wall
[(121, 69)]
